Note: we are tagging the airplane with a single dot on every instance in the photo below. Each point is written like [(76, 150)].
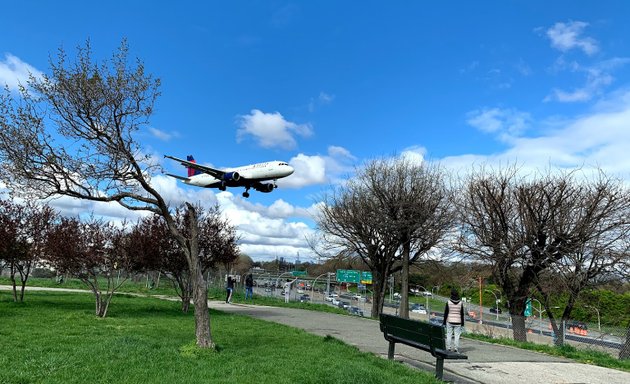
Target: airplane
[(248, 176)]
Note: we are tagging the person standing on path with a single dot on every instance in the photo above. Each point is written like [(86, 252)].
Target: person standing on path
[(249, 287), (229, 289), (454, 320)]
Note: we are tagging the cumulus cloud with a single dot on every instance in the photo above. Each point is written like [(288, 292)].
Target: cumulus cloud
[(414, 154), (319, 169), (14, 71), (271, 130), (505, 123), (567, 36)]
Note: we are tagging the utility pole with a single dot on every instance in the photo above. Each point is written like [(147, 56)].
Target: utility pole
[(480, 302)]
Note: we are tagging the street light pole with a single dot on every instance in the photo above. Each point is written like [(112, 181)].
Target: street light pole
[(599, 324), (496, 302), (427, 301)]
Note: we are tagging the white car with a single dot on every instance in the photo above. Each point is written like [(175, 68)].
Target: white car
[(419, 308), (335, 301)]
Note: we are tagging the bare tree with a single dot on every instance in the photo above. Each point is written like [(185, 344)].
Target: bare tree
[(525, 226), (347, 222), (390, 215), (416, 210), (602, 243), (73, 132), (23, 229)]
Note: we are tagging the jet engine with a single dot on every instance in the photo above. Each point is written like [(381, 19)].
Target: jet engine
[(265, 188), (228, 176)]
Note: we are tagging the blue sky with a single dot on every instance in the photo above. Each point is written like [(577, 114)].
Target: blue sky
[(328, 85)]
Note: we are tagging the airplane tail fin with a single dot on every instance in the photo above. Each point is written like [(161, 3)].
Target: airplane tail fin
[(192, 171)]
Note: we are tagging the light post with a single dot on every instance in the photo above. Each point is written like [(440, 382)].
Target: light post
[(427, 301), (599, 324), (496, 302), (314, 281)]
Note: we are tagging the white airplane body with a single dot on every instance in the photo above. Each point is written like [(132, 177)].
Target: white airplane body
[(248, 176)]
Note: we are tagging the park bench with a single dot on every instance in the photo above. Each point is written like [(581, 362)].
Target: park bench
[(425, 336)]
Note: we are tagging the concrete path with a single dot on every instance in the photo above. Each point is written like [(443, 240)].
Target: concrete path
[(487, 363)]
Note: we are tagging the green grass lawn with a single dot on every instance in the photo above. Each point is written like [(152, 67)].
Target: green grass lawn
[(54, 337)]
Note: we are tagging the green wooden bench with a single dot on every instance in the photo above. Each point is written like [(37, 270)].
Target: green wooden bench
[(425, 336)]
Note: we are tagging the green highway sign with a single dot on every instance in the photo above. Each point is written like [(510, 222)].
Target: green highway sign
[(354, 276), (298, 273), (366, 277)]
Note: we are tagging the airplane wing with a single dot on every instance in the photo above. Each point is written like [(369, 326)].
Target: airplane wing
[(216, 173)]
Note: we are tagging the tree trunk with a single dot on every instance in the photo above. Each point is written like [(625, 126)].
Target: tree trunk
[(15, 297), (403, 310), (517, 312), (202, 315), (199, 284), (378, 296)]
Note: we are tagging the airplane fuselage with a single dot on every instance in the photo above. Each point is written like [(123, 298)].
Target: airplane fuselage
[(270, 170)]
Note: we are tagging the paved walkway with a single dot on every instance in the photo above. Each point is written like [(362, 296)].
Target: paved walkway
[(487, 363)]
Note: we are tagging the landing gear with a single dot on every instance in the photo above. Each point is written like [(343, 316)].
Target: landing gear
[(246, 194)]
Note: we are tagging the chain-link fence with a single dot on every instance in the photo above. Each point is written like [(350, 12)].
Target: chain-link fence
[(540, 330)]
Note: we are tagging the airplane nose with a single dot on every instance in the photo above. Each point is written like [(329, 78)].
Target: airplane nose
[(290, 170)]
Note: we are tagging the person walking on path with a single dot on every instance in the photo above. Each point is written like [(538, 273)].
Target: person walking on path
[(229, 289), (454, 320), (249, 287)]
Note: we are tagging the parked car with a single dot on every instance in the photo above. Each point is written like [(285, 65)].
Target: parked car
[(426, 293), (355, 311), (495, 310), (335, 301), (419, 308), (305, 298)]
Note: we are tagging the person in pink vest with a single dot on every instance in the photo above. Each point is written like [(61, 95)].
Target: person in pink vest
[(454, 320)]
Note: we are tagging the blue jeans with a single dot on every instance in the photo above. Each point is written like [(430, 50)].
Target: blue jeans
[(449, 334), (249, 292)]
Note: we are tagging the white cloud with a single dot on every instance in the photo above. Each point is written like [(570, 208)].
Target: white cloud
[(598, 139), (309, 170), (271, 130), (505, 123), (162, 135), (323, 99), (598, 77), (566, 36), (414, 154), (318, 169), (14, 72)]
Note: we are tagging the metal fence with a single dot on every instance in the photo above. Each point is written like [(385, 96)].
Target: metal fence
[(583, 335)]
